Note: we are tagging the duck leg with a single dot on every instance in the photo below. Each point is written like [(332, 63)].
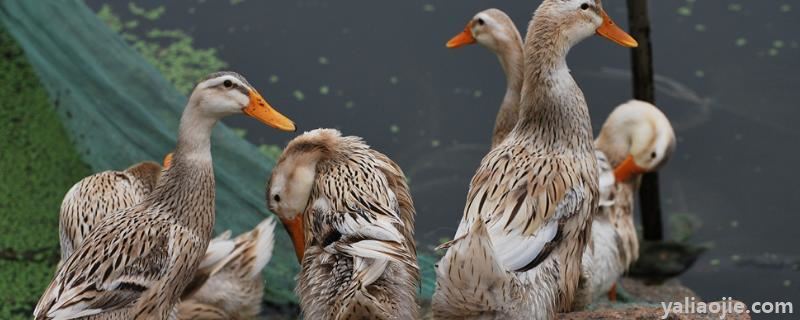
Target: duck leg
[(612, 293)]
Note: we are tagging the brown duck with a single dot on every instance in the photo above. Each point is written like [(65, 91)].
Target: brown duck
[(137, 262), (350, 215), (517, 252)]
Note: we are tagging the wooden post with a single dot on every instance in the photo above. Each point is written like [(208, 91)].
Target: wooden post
[(644, 89)]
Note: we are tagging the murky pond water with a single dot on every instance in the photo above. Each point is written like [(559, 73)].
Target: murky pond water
[(726, 77)]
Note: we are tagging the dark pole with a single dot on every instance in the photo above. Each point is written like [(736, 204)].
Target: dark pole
[(644, 89)]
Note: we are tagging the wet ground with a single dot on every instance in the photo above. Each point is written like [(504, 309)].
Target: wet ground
[(726, 77)]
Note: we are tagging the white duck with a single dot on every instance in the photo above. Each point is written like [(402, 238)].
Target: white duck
[(137, 262), (517, 252), (636, 138)]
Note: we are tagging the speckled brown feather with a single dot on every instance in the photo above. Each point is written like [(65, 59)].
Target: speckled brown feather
[(235, 286), (544, 172), (126, 264), (354, 186), (98, 195)]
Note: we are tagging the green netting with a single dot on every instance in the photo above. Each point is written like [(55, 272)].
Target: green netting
[(119, 110)]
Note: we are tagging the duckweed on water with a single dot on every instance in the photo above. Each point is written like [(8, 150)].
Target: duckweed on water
[(273, 79), (323, 60), (171, 51), (772, 52), (241, 132), (271, 151), (741, 42), (735, 7), (324, 90), (299, 95), (30, 195)]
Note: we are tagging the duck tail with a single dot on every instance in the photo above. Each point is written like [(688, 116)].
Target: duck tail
[(469, 279), (262, 239)]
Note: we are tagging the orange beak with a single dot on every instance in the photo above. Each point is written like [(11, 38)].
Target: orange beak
[(168, 160), (611, 31), (627, 169), (462, 39), (259, 109), (296, 231)]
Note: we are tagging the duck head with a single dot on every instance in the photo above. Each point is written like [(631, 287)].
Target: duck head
[(289, 191), (638, 138), (490, 28), (227, 93), (290, 186), (579, 19)]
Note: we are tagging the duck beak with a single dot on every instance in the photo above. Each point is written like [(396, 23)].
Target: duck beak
[(295, 229), (259, 109), (168, 160), (462, 39), (611, 31), (627, 169)]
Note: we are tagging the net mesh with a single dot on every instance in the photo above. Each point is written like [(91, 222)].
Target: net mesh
[(119, 110)]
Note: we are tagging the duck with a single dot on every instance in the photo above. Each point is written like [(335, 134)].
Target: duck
[(234, 287), (94, 197), (636, 138), (604, 261), (136, 262), (494, 30), (225, 277), (349, 213), (518, 248)]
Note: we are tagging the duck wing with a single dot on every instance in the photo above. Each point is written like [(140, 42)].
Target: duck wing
[(362, 220), (525, 198), (123, 257)]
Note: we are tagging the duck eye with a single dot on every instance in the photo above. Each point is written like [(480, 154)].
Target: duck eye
[(481, 22), (277, 198), (584, 6), (653, 155), (227, 83)]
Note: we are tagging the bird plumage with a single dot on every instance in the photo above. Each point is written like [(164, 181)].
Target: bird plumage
[(93, 198), (535, 192), (137, 262), (235, 286), (360, 259)]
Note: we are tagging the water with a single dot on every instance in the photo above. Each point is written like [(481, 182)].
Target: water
[(726, 74)]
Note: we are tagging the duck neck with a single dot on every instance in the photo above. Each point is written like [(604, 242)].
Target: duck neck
[(511, 62), (552, 107), (186, 189), (194, 135)]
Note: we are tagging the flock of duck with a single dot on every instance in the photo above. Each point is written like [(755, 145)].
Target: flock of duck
[(547, 227)]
